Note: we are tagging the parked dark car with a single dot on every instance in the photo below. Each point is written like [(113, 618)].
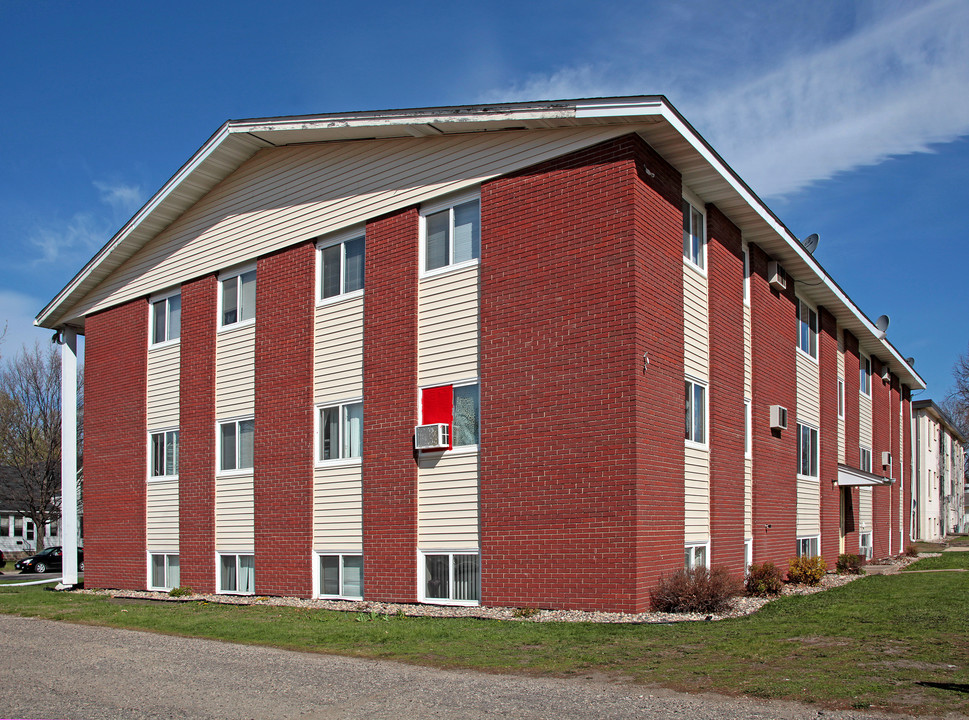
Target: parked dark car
[(3, 560), (49, 559)]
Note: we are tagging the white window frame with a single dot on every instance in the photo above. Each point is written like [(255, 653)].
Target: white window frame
[(218, 447), (341, 238), (455, 449), (169, 585), (218, 572), (700, 265), (225, 277), (690, 435), (745, 249), (864, 386), (318, 556), (422, 577), (841, 398), (804, 307), (691, 551), (864, 452), (318, 433), (866, 551), (748, 554), (748, 429), (164, 432), (809, 543), (166, 298), (440, 205), (814, 439)]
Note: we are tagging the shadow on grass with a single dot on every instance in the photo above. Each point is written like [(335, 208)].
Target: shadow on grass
[(954, 687)]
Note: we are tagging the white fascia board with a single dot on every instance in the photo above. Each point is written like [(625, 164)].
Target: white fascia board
[(701, 147)]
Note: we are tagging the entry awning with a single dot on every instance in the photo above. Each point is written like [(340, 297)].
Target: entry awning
[(852, 477)]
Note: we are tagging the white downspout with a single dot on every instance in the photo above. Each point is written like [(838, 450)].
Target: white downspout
[(69, 456)]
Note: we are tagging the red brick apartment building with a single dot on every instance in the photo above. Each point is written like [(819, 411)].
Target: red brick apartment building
[(620, 361)]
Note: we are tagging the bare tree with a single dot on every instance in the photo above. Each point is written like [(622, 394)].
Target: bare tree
[(30, 434)]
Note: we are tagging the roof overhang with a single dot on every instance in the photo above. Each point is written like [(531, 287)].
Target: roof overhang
[(853, 477), (652, 116)]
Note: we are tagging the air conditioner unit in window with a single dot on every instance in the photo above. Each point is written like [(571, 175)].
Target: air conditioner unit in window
[(778, 417), (776, 276), (431, 437), (886, 459)]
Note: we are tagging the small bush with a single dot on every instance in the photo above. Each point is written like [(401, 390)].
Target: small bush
[(849, 564), (764, 580), (695, 591), (912, 551), (806, 570), (181, 591)]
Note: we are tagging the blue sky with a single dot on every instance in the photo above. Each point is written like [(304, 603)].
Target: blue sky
[(849, 119)]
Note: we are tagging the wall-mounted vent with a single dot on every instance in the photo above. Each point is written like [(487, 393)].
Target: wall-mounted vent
[(778, 417), (886, 459), (886, 373), (776, 275), (431, 437)]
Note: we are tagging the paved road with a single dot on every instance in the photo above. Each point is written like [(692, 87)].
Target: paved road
[(56, 670)]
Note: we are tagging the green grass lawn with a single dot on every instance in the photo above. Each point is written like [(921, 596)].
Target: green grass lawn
[(899, 641), (945, 561)]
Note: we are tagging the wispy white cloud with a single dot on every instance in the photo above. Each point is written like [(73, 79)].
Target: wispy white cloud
[(802, 111), (80, 236)]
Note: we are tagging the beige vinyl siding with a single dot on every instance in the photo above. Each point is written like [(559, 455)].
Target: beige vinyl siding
[(697, 495), (338, 351), (161, 516), (841, 420), (748, 356), (864, 424), (447, 501), (696, 330), (163, 378), (338, 509), (864, 509), (447, 345), (748, 498), (235, 362), (808, 507), (282, 196), (808, 395), (234, 514)]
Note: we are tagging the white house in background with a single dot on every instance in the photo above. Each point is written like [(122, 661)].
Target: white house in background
[(938, 495)]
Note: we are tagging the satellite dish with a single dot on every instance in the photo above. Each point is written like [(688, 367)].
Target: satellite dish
[(882, 324), (810, 243)]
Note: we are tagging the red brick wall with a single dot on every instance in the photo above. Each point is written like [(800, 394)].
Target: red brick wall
[(852, 438), (390, 408), (898, 466), (830, 492), (883, 497), (115, 447), (581, 274), (283, 472), (725, 275), (773, 344), (196, 470)]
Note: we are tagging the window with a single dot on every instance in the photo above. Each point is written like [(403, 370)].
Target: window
[(695, 556), (452, 577), (807, 451), (341, 576), (451, 235), (341, 267), (164, 454), (5, 526), (166, 319), (693, 235), (865, 375), (236, 445), (748, 554), (865, 458), (808, 546), (864, 545), (456, 405), (696, 412), (28, 529), (841, 398), (807, 329), (164, 572), (746, 256), (748, 439), (236, 574), (238, 299), (340, 432)]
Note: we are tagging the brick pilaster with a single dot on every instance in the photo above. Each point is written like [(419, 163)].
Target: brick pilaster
[(830, 493)]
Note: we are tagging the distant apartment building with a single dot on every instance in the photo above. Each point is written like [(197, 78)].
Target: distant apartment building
[(939, 492)]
